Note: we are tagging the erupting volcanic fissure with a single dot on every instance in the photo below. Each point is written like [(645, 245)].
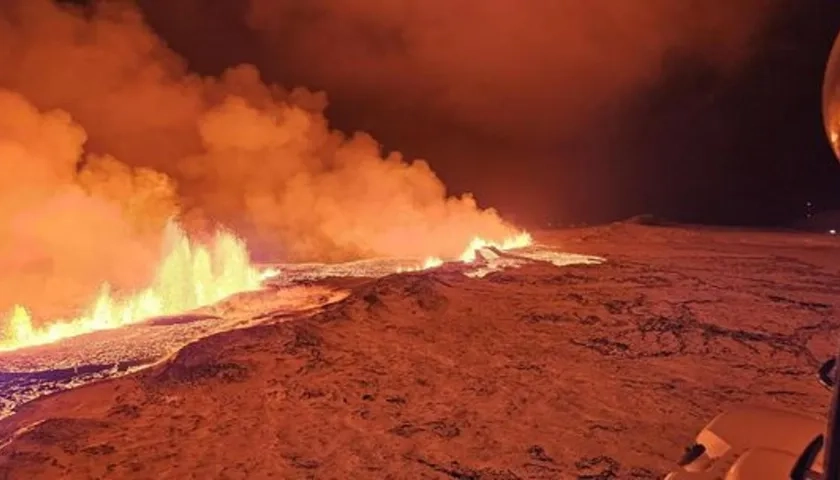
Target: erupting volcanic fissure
[(189, 276)]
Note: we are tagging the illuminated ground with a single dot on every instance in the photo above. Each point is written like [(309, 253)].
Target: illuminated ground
[(583, 371), (33, 372)]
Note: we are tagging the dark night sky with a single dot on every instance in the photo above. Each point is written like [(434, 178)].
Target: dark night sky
[(694, 142), (748, 149)]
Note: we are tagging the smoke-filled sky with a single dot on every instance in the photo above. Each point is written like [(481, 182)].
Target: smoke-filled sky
[(285, 120), (559, 110)]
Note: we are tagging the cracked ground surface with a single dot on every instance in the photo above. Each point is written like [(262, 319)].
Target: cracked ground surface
[(581, 372)]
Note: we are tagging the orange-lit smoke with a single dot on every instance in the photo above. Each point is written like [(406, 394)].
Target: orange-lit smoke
[(60, 234), (256, 157), (104, 135), (484, 88)]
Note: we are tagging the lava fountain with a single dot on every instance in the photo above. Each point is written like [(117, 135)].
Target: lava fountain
[(189, 276)]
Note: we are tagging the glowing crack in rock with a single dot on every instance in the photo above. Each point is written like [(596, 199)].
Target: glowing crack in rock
[(193, 276), (495, 263), (190, 276), (482, 249)]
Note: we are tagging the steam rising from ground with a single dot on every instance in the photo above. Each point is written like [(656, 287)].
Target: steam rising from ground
[(104, 135)]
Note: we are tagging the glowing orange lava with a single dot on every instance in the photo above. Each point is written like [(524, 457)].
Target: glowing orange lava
[(519, 241), (470, 253), (190, 276)]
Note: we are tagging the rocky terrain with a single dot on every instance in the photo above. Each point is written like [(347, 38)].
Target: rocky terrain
[(594, 371), (34, 372)]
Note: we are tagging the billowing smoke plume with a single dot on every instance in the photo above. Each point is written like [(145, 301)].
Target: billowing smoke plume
[(484, 87), (61, 232), (104, 135)]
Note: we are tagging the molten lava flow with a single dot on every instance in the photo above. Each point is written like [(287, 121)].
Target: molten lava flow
[(190, 276), (519, 241), (470, 253)]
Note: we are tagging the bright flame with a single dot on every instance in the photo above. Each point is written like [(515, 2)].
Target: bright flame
[(519, 241), (470, 253), (190, 276)]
